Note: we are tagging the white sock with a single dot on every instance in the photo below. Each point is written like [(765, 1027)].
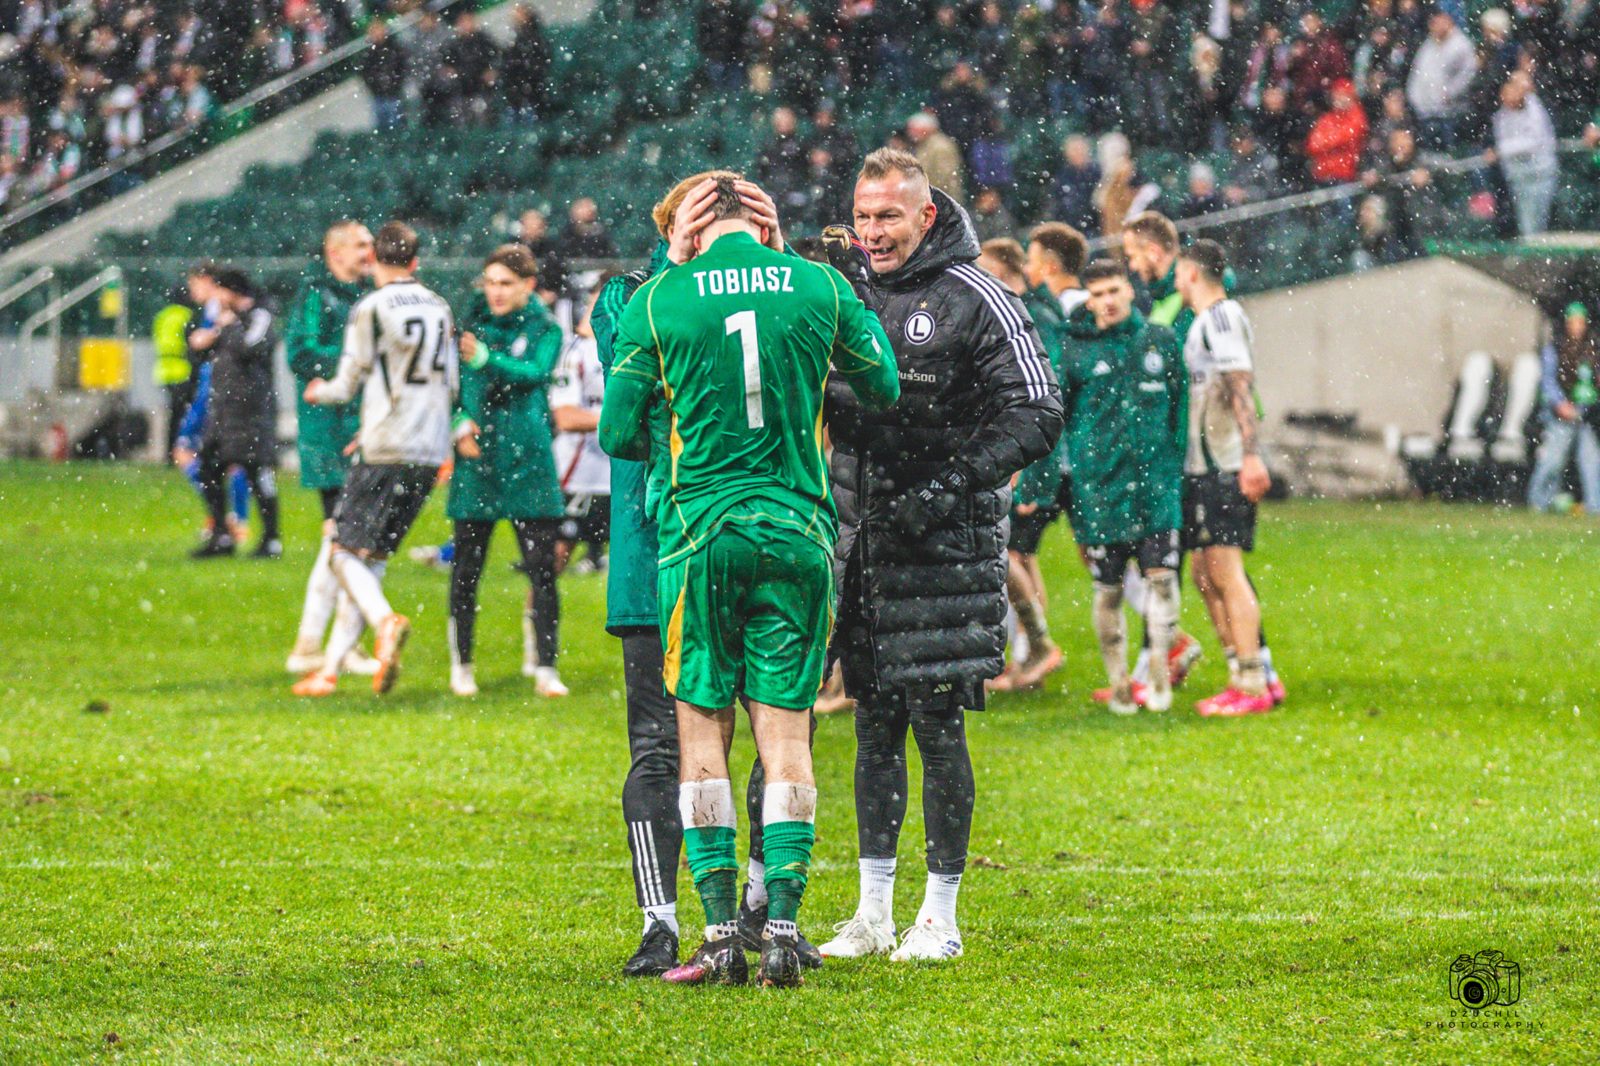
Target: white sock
[(939, 899), (1266, 663), (755, 893), (877, 886), (361, 579), (1133, 589), (1141, 667), (665, 912), (322, 591), (347, 627)]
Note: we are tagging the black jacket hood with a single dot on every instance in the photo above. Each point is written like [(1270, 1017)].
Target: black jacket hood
[(951, 241)]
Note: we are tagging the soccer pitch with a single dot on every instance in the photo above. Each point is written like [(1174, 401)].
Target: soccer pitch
[(197, 867)]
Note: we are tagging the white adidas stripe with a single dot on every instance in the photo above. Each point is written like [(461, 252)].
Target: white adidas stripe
[(1033, 369)]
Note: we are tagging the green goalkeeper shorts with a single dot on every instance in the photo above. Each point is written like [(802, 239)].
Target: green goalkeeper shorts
[(751, 611)]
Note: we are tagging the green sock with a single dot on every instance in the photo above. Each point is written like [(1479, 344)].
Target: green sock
[(712, 862), (788, 854)]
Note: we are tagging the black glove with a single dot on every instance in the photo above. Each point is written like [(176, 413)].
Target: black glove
[(848, 256), (918, 510)]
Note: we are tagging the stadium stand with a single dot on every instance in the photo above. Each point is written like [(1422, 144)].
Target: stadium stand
[(644, 92)]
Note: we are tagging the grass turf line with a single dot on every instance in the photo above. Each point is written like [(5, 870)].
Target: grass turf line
[(215, 871)]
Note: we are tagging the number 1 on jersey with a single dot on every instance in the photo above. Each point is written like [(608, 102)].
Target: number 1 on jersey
[(744, 324)]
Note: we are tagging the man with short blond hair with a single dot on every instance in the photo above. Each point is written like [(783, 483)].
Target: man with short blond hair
[(313, 343), (923, 495)]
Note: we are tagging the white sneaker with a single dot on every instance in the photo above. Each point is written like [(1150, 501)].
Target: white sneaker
[(462, 683), (301, 663), (359, 662), (864, 934), (928, 940), (1158, 700), (546, 682)]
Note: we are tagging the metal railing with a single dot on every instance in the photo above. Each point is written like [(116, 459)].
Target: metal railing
[(51, 313)]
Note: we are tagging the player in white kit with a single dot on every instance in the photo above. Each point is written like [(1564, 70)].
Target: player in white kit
[(400, 352), (1224, 477), (576, 395)]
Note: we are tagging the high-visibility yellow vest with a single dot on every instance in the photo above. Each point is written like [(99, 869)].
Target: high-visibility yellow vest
[(172, 346)]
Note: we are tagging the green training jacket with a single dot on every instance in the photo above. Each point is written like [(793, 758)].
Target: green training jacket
[(313, 342), (508, 397), (635, 538), (1126, 394), (1041, 480)]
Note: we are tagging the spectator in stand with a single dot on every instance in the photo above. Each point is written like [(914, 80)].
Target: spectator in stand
[(1283, 133), (1525, 147), (1250, 173), (1028, 69), (1202, 102), (1317, 61), (1203, 196), (1102, 57), (533, 231), (990, 219), (1403, 210), (1572, 408), (525, 67), (194, 99), (383, 71), (938, 154), (586, 237), (1266, 69), (1073, 200), (964, 108), (992, 43), (124, 128), (1498, 57), (10, 182), (838, 141), (781, 166), (943, 43), (474, 57), (1441, 75), (1123, 192), (720, 38), (1147, 90), (989, 159), (1338, 138), (1392, 115), (820, 196), (1381, 60)]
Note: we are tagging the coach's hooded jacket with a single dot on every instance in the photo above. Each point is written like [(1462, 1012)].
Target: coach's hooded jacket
[(924, 621)]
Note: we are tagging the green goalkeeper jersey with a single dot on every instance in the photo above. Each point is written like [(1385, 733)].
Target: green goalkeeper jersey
[(739, 341)]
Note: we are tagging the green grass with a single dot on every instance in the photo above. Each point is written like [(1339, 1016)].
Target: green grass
[(217, 872)]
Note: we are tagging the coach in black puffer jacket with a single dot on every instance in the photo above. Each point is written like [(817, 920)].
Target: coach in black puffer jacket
[(923, 492), (978, 402)]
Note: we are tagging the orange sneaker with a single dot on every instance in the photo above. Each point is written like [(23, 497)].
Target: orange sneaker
[(316, 683), (1232, 703), (392, 634)]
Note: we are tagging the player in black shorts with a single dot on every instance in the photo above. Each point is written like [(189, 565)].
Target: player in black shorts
[(400, 354)]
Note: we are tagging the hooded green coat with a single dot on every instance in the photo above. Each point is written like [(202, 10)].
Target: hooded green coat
[(1041, 480), (1126, 393), (508, 398), (313, 342)]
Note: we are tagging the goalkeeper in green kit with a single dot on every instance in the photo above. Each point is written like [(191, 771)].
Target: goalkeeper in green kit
[(738, 342)]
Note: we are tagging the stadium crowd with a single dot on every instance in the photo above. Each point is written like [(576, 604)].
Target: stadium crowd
[(83, 84), (1262, 98)]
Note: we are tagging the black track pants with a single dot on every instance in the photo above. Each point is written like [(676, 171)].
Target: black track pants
[(948, 790)]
